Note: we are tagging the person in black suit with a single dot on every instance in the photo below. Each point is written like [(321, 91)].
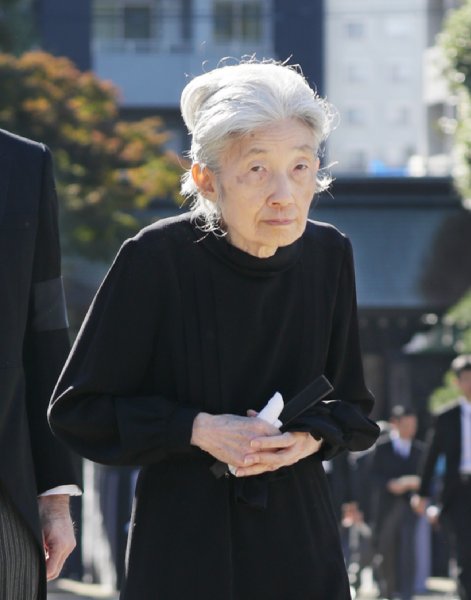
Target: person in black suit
[(394, 469), (37, 473), (451, 437)]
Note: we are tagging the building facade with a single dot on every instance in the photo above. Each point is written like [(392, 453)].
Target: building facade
[(384, 82), (64, 29), (150, 48), (382, 67)]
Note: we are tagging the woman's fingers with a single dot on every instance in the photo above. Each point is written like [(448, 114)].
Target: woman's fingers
[(253, 470), (278, 451), (283, 440), (228, 437)]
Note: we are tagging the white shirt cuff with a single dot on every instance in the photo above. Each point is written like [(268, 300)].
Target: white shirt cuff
[(71, 490)]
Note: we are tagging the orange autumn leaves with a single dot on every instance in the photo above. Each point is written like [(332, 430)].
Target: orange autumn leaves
[(107, 169)]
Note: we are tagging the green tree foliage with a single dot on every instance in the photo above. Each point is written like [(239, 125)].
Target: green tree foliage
[(461, 315), (458, 318), (455, 41), (107, 169)]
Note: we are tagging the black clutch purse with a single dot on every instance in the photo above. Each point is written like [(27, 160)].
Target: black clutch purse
[(292, 410)]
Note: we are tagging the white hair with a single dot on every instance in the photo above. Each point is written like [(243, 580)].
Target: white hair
[(234, 100)]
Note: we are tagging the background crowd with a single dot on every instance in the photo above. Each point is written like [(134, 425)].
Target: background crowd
[(404, 505)]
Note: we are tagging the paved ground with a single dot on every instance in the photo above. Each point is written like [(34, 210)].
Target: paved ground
[(437, 589), (65, 589)]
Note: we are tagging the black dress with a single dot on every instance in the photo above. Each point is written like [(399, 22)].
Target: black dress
[(184, 323)]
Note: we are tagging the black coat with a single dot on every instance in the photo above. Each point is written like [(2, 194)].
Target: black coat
[(186, 323), (444, 439), (387, 465), (33, 334)]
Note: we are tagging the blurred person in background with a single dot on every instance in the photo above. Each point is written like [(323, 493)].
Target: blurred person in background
[(450, 437), (201, 319), (346, 480), (37, 473), (394, 471)]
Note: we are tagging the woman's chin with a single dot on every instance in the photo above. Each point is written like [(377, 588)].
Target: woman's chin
[(286, 238)]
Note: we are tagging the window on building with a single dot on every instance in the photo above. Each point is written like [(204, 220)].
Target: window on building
[(357, 160), (399, 27), (356, 72), (400, 116), (251, 21), (238, 20), (355, 29), (400, 72), (143, 25), (186, 16), (224, 20), (137, 22), (106, 20), (355, 116)]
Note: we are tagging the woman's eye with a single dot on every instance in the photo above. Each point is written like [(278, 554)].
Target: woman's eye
[(257, 169), (302, 167)]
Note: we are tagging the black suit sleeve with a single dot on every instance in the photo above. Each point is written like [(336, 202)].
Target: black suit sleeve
[(434, 447), (46, 341)]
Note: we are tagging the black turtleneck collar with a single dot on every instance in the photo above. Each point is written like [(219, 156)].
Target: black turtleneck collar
[(284, 258)]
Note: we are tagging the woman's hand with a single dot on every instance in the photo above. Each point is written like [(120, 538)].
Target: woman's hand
[(271, 453), (228, 437)]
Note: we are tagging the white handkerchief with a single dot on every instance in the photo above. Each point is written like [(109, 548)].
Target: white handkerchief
[(272, 410), (269, 413)]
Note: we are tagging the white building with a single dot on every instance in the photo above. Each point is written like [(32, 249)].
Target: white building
[(375, 76)]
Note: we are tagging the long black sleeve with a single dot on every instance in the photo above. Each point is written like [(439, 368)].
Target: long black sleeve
[(101, 405), (46, 343), (343, 423), (434, 447)]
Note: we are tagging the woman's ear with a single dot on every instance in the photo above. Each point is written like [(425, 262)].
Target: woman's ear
[(205, 181)]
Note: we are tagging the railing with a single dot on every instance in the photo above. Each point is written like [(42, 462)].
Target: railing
[(141, 46)]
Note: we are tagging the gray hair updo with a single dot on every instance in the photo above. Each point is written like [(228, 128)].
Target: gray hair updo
[(233, 101)]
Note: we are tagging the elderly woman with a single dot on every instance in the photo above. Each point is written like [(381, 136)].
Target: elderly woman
[(201, 319)]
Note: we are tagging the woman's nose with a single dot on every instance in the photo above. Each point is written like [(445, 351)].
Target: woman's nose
[(281, 192)]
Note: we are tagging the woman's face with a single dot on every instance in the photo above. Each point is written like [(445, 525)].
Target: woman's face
[(265, 186)]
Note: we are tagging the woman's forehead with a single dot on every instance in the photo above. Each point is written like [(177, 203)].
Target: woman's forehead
[(293, 135)]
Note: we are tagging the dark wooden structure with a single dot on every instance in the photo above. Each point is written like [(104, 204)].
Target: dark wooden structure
[(396, 226)]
